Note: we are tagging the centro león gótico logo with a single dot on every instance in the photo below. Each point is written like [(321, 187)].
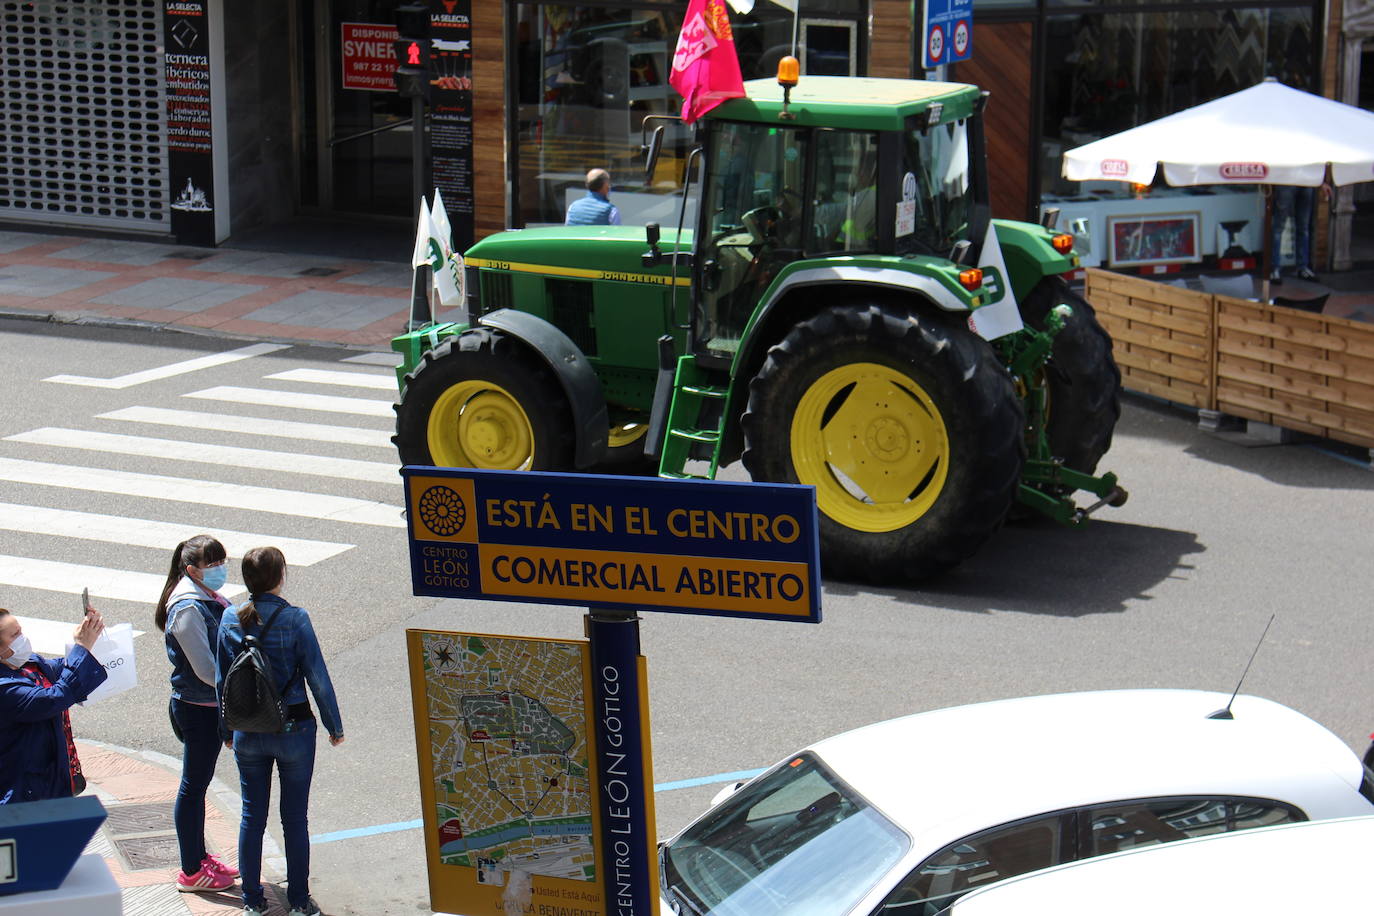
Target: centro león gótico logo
[(442, 511)]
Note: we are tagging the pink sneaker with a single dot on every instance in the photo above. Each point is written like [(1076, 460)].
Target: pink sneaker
[(202, 881), (214, 864)]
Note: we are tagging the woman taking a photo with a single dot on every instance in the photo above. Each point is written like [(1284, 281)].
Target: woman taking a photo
[(287, 640), (37, 754), (188, 614)]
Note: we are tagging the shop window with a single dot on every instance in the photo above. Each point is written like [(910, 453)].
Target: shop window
[(584, 78), (1107, 72)]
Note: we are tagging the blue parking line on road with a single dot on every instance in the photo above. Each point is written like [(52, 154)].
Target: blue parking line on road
[(398, 826), (707, 780)]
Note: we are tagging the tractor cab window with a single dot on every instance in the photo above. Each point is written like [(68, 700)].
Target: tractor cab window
[(752, 196), (845, 215), (937, 194)]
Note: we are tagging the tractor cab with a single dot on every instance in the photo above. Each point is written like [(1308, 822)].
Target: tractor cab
[(785, 181)]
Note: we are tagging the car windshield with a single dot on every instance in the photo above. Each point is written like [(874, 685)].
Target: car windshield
[(797, 841)]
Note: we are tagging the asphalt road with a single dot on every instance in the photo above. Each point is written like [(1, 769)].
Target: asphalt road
[(1173, 589)]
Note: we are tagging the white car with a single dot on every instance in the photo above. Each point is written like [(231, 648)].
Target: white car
[(1317, 867), (904, 816)]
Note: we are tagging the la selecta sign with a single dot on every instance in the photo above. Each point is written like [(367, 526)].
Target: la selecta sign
[(948, 32)]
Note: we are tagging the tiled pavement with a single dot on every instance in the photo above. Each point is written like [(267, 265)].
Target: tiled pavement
[(217, 290), (138, 840)]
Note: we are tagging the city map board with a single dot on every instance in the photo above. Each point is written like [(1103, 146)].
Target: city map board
[(507, 780), (725, 548)]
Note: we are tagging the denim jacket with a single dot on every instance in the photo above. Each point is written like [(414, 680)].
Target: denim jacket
[(191, 632), (293, 652)]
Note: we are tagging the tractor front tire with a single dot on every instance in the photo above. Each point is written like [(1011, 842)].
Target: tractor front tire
[(910, 430), (1083, 378), (483, 400)]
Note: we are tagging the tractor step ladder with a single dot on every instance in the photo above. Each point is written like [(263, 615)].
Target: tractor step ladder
[(692, 395)]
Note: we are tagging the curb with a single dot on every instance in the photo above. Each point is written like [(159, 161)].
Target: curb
[(81, 319)]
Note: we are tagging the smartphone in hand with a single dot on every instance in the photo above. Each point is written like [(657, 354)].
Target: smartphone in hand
[(86, 607)]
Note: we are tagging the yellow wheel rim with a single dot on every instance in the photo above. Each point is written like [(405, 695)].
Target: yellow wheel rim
[(476, 424), (873, 444), (623, 434)]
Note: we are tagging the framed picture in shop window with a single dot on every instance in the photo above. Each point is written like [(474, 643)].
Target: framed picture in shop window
[(1154, 238)]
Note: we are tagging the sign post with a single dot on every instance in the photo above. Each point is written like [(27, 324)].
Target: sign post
[(617, 545), (627, 819)]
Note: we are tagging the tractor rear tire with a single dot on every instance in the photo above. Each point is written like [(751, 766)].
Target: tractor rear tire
[(483, 400), (910, 430), (1084, 381)]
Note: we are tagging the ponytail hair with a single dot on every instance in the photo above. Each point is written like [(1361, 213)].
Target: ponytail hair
[(264, 568), (194, 551)]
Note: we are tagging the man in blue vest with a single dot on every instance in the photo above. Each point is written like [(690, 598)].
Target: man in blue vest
[(596, 208)]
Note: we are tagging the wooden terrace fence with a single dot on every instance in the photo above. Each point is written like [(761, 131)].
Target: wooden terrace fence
[(1292, 369)]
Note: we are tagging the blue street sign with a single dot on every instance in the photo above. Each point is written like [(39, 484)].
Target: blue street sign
[(948, 32), (641, 543)]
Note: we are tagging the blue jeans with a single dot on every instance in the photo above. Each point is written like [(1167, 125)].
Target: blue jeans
[(293, 751), (200, 750), (1294, 203)]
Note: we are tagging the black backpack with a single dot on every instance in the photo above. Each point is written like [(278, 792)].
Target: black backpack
[(250, 701)]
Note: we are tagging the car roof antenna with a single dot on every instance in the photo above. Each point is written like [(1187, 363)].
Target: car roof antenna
[(1225, 711)]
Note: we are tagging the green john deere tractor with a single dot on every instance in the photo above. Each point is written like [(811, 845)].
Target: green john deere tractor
[(816, 322)]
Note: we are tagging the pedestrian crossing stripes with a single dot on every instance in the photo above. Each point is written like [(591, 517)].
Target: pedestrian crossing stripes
[(142, 532), (207, 453), (329, 403), (174, 477), (202, 492), (162, 372), (349, 379), (50, 637), (254, 426), (375, 359), (71, 578)]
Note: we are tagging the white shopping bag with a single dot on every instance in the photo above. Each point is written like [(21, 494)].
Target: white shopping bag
[(115, 650)]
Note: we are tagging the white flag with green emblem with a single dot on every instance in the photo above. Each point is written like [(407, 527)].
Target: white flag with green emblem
[(434, 246), (999, 314)]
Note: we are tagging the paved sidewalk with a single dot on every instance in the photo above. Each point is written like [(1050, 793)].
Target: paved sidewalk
[(138, 838), (296, 297)]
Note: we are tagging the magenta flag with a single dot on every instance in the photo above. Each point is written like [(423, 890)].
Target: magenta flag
[(705, 66)]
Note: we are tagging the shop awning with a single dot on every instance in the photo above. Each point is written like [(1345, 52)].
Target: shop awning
[(1267, 134)]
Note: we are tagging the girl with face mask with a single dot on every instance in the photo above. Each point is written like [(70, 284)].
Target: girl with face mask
[(188, 613), (37, 756)]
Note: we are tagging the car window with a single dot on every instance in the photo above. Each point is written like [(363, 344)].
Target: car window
[(795, 842), (1127, 825), (1011, 849)]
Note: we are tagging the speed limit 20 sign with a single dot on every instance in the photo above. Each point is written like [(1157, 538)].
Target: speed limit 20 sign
[(948, 32)]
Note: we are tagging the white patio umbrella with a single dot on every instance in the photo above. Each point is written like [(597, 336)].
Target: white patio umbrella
[(1267, 134)]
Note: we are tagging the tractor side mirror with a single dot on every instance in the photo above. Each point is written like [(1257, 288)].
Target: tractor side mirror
[(651, 152), (651, 235)]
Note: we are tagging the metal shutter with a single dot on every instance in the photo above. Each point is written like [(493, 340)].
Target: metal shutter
[(81, 114)]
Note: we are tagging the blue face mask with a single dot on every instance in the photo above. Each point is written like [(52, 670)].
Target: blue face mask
[(214, 577)]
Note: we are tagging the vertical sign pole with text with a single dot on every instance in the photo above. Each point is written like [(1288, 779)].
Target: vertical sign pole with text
[(620, 723)]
